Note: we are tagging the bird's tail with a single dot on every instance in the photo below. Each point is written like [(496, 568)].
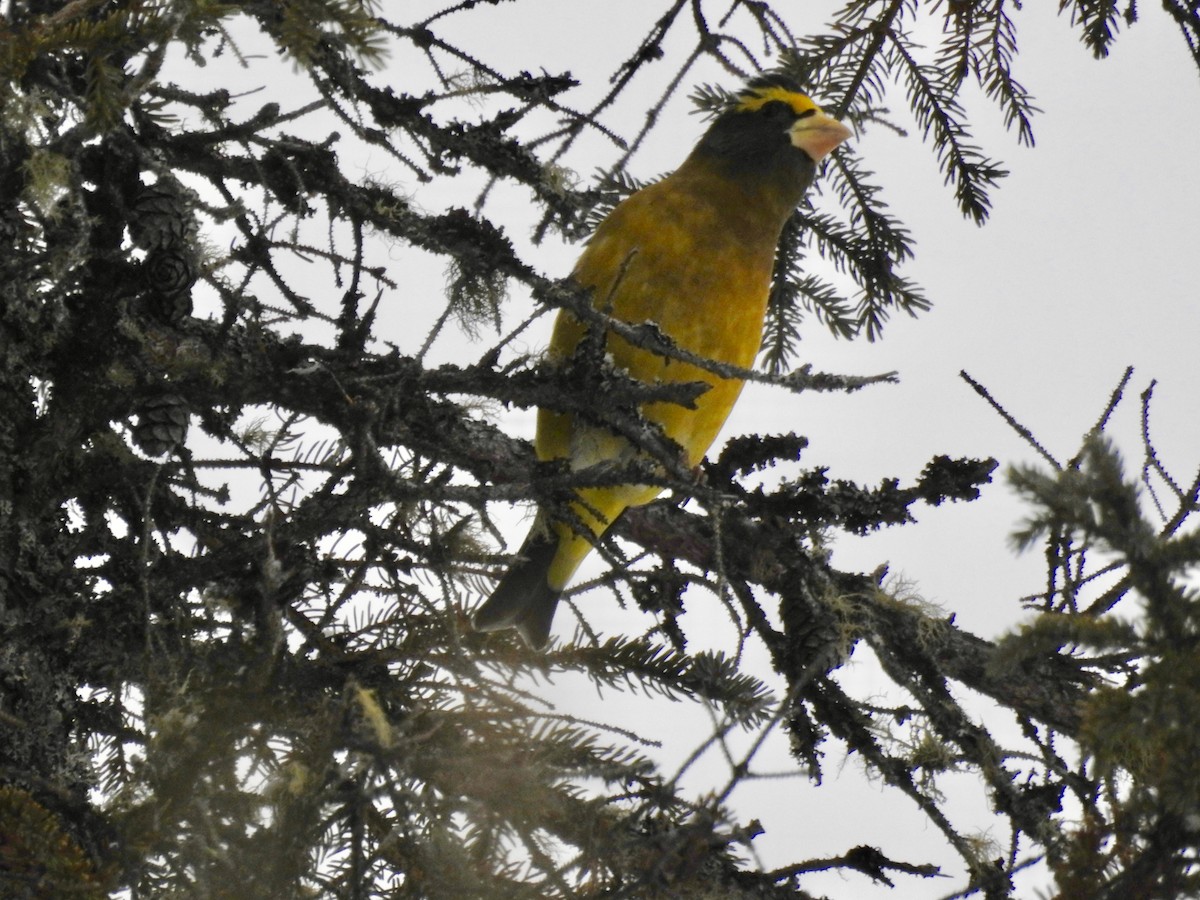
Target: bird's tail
[(524, 599)]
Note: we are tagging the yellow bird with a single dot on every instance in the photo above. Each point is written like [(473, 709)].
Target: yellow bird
[(692, 254)]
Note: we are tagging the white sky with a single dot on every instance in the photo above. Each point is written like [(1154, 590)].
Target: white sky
[(1086, 266)]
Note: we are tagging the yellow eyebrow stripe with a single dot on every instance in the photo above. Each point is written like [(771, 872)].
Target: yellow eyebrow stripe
[(757, 98)]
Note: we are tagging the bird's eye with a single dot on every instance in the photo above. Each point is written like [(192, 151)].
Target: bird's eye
[(778, 111)]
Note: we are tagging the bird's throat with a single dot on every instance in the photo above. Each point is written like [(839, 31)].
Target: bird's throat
[(757, 192)]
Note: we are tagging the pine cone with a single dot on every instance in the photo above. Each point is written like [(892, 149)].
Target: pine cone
[(161, 216), (162, 424), (169, 274)]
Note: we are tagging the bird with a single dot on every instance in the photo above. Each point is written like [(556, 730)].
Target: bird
[(692, 254)]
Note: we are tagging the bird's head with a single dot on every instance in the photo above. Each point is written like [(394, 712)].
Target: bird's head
[(771, 130), (774, 103)]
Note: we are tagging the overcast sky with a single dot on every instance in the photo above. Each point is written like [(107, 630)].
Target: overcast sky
[(1086, 266)]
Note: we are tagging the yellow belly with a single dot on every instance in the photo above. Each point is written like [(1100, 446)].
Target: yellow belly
[(661, 258)]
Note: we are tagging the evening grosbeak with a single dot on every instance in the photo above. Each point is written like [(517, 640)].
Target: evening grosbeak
[(692, 254)]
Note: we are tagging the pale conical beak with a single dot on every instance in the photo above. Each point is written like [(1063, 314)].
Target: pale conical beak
[(818, 134)]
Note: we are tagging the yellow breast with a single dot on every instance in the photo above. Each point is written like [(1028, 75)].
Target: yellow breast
[(695, 259), (697, 269)]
